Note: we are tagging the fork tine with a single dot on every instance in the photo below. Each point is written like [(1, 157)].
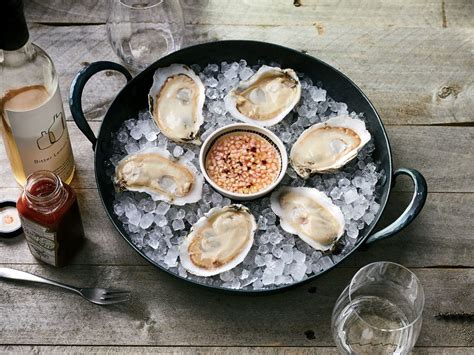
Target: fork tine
[(115, 297), (116, 292)]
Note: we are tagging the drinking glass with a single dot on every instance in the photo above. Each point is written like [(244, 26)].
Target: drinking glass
[(379, 312), (142, 31)]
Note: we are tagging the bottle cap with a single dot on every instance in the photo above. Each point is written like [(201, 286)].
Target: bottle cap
[(13, 29), (10, 224)]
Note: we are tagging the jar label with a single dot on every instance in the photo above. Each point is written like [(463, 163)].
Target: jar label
[(41, 241), (42, 137)]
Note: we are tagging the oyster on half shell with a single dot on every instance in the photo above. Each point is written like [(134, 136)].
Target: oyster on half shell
[(176, 100), (266, 98), (325, 147), (219, 241), (310, 214), (155, 172)]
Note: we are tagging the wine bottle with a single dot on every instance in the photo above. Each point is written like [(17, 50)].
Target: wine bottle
[(32, 117)]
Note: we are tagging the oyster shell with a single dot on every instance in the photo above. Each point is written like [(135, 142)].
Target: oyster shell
[(176, 100), (310, 214), (155, 172), (327, 146), (266, 98), (219, 241)]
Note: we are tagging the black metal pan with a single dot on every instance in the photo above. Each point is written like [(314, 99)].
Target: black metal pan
[(133, 98)]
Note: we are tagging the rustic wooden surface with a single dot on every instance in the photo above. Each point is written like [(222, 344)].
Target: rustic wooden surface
[(414, 59)]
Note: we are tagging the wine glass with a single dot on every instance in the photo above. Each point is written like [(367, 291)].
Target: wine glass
[(142, 31), (379, 312)]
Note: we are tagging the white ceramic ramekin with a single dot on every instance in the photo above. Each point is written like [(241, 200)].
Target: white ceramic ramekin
[(244, 127)]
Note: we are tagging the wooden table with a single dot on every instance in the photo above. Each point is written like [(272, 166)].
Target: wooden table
[(414, 60)]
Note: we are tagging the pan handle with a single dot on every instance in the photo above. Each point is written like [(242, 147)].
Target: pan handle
[(77, 87), (414, 208)]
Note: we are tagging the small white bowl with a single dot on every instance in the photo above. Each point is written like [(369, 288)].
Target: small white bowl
[(244, 127)]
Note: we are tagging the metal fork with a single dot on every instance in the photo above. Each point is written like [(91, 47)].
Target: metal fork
[(100, 296)]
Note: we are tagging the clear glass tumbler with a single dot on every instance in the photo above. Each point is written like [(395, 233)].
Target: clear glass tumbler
[(142, 31), (379, 312)]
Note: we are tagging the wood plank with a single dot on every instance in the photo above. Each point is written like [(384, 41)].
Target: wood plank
[(368, 13), (394, 66), (189, 350), (442, 154), (441, 235), (428, 242), (165, 311)]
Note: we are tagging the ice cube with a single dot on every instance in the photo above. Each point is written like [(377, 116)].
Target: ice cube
[(136, 133), (262, 223), (178, 151), (297, 271), (178, 224), (119, 209), (122, 137), (162, 208), (131, 148), (227, 276), (180, 214), (172, 213), (172, 256), (189, 156), (161, 220), (216, 198), (211, 82), (350, 195), (259, 260), (299, 257), (268, 277), (154, 239), (246, 73), (182, 271), (147, 205), (287, 254), (336, 193), (134, 217), (325, 262), (147, 220), (344, 182), (277, 252), (286, 137), (374, 207), (264, 238), (263, 249)]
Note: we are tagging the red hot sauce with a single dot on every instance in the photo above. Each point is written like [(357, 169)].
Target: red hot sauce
[(50, 218)]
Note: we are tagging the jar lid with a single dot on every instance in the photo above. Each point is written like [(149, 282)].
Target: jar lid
[(10, 224)]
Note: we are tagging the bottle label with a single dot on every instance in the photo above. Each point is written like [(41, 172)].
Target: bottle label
[(42, 138), (42, 242)]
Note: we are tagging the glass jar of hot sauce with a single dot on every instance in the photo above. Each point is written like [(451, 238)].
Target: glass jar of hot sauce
[(50, 218)]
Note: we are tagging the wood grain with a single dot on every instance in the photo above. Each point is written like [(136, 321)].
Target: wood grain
[(165, 311), (414, 61), (440, 236), (189, 350), (367, 13), (394, 66), (443, 155)]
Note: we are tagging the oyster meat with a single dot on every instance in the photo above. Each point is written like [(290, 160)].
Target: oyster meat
[(266, 98), (325, 147), (176, 100), (155, 172), (310, 214), (219, 241)]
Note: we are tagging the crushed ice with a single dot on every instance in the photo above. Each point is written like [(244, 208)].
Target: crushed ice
[(277, 257)]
